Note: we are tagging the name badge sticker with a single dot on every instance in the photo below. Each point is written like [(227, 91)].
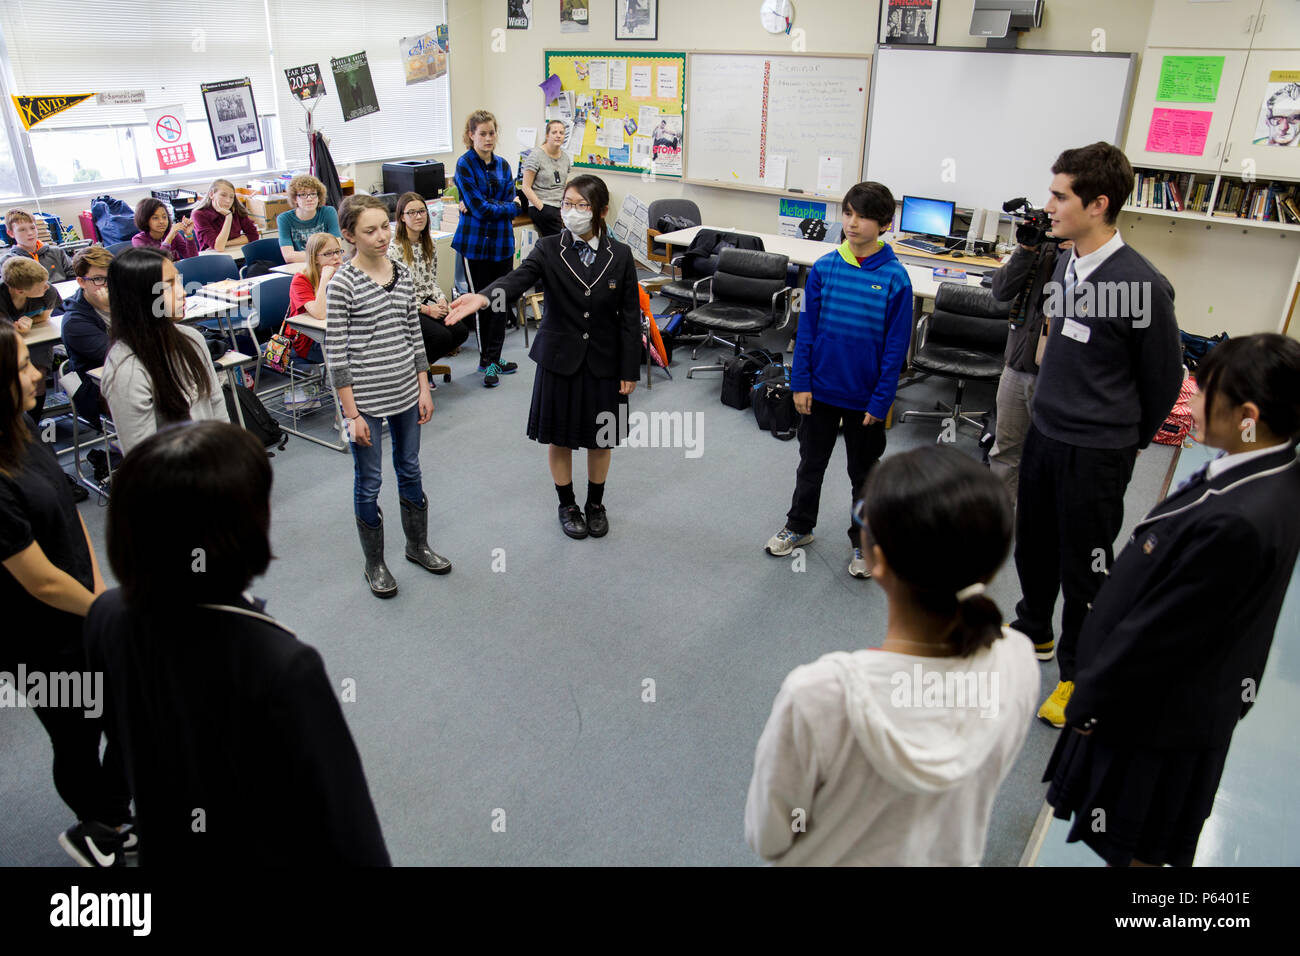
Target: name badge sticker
[(1076, 330)]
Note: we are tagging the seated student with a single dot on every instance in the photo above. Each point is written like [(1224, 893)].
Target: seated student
[(22, 232), (27, 299), (1172, 651), (308, 216), (157, 370), (218, 706), (892, 756), (157, 231), (48, 579), (307, 291), (221, 220), (85, 327), (413, 246)]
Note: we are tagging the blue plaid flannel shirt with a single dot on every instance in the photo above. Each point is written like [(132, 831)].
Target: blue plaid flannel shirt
[(489, 194)]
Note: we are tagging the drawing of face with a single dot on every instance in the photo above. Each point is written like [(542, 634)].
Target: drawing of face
[(1284, 116)]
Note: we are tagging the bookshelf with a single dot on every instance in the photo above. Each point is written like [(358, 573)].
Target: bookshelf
[(1216, 198)]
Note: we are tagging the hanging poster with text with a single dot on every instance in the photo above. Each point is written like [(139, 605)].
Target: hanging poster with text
[(171, 140), (305, 82), (1189, 79), (1279, 116), (232, 118), (1178, 131), (422, 58), (356, 88)]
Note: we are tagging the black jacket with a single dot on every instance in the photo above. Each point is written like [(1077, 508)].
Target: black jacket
[(85, 335), (1022, 342), (221, 709), (589, 314), (1172, 652)]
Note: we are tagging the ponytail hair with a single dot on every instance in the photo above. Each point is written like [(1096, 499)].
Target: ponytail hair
[(944, 524)]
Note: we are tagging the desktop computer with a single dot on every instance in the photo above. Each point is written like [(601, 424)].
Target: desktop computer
[(931, 218)]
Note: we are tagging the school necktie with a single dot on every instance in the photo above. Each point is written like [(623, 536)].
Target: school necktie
[(586, 253), (1071, 278), (1198, 477)]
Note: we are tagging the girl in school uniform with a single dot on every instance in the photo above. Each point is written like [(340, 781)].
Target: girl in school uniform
[(157, 371), (484, 235), (892, 756), (587, 349), (157, 231), (377, 363), (221, 220), (1172, 651), (48, 579), (413, 247)]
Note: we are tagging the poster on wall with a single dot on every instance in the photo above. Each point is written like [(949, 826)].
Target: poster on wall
[(356, 87), (422, 58), (636, 19), (232, 118), (34, 109), (575, 16), (519, 14), (305, 82), (171, 140), (666, 145), (1279, 116), (909, 21), (798, 218), (630, 229)]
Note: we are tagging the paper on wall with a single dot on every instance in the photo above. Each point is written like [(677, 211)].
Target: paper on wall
[(641, 81), (641, 151), (527, 136), (647, 118), (574, 145), (599, 74), (775, 177), (667, 83), (830, 173), (1178, 131), (617, 75), (611, 132)]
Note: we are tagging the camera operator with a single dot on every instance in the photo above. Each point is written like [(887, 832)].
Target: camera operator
[(1022, 280)]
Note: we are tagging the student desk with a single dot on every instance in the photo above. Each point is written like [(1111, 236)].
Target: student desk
[(963, 261), (44, 333), (314, 329)]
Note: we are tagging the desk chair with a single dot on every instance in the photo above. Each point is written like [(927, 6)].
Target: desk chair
[(685, 208), (207, 268), (745, 298), (264, 250), (964, 339), (106, 434), (117, 248), (270, 305)]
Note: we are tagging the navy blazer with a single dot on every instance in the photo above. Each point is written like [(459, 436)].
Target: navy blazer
[(85, 335), (590, 314), (1172, 652)]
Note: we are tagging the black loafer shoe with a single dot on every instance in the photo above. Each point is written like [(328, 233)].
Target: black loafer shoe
[(572, 521), (597, 523)]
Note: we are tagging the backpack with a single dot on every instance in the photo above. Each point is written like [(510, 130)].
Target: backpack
[(773, 401), (738, 373), (257, 420), (1176, 427), (1196, 347), (114, 220)]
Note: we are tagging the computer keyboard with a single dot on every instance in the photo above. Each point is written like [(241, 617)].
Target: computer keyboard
[(930, 247)]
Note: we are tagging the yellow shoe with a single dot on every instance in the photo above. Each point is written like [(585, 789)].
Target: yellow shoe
[(1053, 709)]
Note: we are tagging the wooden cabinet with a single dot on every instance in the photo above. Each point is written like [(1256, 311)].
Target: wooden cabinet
[(1145, 102), (1224, 25)]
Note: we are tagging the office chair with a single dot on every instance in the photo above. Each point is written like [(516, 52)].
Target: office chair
[(745, 298), (685, 208), (964, 339), (206, 268), (117, 248), (261, 250)]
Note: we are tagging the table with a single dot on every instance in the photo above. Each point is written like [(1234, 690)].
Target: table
[(314, 329), (44, 332)]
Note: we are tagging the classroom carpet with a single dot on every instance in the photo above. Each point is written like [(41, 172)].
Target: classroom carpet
[(556, 702)]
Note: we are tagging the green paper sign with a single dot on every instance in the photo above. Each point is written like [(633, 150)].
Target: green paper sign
[(1189, 79)]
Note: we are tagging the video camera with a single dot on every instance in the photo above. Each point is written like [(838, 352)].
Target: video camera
[(1035, 223)]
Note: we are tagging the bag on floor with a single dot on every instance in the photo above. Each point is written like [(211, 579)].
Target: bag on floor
[(1196, 347), (1178, 425), (739, 371), (773, 402), (257, 420)]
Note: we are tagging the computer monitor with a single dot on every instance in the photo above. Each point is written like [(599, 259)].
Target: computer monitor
[(927, 217)]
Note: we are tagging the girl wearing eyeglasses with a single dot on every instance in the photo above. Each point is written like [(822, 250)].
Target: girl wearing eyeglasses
[(587, 349), (413, 247), (307, 291), (546, 169)]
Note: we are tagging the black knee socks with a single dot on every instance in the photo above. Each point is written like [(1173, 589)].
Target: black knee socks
[(566, 495), (595, 493)]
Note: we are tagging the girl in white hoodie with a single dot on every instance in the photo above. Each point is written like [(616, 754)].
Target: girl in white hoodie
[(892, 756)]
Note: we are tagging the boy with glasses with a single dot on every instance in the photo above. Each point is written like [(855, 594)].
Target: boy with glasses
[(308, 216), (86, 323)]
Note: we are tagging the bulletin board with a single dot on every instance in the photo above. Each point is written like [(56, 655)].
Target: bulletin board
[(625, 109)]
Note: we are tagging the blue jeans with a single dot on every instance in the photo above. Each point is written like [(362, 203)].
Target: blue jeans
[(404, 429)]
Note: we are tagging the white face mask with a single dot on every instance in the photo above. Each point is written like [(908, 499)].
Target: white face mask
[(575, 221)]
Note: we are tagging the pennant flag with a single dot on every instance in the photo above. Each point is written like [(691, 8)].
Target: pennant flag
[(33, 109)]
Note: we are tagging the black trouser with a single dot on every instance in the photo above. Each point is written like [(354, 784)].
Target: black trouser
[(864, 444), (1069, 510), (439, 340), (91, 789), (491, 325), (547, 219)]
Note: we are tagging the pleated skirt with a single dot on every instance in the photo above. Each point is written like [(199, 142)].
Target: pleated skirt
[(577, 411)]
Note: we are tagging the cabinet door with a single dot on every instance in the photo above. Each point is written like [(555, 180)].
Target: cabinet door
[(1278, 25), (1226, 25), (1248, 139), (1145, 103)]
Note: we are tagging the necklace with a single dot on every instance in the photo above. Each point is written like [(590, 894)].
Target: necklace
[(929, 650)]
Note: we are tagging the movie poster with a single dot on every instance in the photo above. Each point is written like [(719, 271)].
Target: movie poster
[(422, 58), (356, 88), (909, 21), (305, 82), (232, 118), (666, 145), (575, 17), (1279, 115), (519, 14)]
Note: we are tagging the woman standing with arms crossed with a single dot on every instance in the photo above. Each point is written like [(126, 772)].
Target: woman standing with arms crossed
[(546, 170), (587, 349), (484, 235), (48, 582), (376, 361)]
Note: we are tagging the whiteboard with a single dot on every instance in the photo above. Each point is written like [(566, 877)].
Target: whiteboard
[(746, 112), (979, 127)]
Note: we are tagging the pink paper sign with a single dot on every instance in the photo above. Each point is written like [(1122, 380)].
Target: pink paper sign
[(1178, 131)]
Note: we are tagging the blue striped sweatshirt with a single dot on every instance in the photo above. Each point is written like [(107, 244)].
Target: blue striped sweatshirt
[(854, 330)]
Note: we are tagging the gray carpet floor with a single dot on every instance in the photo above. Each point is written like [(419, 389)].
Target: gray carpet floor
[(512, 691)]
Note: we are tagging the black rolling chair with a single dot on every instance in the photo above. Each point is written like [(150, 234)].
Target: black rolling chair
[(747, 296), (684, 208), (964, 339)]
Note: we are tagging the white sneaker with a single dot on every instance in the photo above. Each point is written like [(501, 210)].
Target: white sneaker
[(858, 565), (785, 541)]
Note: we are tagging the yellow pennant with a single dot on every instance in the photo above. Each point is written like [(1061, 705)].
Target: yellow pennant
[(33, 109)]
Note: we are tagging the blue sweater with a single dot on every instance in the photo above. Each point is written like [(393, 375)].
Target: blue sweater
[(854, 330)]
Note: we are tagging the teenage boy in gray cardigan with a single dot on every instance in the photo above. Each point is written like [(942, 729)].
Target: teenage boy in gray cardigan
[(1109, 376)]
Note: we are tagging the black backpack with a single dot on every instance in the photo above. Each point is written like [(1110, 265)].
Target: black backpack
[(257, 420), (738, 373), (773, 401)]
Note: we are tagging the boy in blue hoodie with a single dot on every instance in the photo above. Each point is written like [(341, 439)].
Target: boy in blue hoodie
[(853, 334)]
